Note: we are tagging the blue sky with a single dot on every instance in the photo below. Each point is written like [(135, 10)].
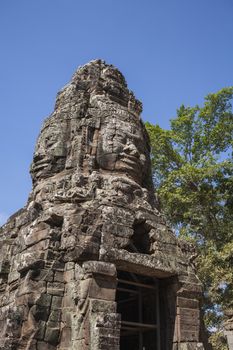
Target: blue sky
[(170, 51)]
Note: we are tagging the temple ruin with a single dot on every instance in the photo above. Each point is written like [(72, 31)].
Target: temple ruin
[(90, 263)]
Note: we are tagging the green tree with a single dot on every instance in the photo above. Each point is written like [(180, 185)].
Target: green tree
[(193, 174)]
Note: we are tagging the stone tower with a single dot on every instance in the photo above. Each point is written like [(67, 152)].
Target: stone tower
[(89, 263)]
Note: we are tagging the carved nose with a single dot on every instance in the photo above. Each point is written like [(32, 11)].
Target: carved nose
[(132, 150)]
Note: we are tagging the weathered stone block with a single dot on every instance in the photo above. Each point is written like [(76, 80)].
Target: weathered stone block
[(41, 330), (187, 303), (44, 300), (188, 316), (190, 346), (52, 335), (41, 345), (65, 338), (56, 302), (97, 306), (55, 288), (55, 316), (99, 268)]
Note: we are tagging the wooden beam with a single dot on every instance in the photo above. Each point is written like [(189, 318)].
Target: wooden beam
[(127, 290), (139, 325), (140, 313), (158, 319), (142, 285), (127, 300)]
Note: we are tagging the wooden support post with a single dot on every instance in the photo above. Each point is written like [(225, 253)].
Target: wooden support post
[(140, 318), (157, 320)]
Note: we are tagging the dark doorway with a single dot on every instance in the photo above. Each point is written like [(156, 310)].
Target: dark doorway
[(138, 303)]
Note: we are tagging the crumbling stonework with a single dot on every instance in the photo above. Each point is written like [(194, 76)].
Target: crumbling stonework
[(92, 214), (228, 327)]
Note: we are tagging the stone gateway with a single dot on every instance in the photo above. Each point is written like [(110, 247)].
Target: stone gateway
[(89, 263)]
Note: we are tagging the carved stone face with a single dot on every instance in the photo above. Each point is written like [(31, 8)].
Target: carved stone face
[(121, 147), (96, 125)]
